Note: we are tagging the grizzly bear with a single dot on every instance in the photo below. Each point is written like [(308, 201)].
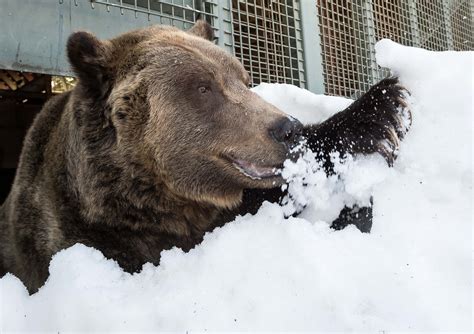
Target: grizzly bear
[(156, 145)]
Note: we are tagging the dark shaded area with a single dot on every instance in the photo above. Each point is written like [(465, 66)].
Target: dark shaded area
[(18, 109), (360, 217), (6, 179)]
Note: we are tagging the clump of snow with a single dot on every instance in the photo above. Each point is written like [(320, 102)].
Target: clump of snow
[(314, 195), (265, 272)]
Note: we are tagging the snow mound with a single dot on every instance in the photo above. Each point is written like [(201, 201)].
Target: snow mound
[(265, 272), (300, 103)]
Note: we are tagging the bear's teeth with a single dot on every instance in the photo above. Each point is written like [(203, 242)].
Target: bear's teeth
[(245, 173), (255, 172)]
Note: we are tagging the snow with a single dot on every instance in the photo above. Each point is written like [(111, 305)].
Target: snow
[(300, 103), (265, 272), (314, 195)]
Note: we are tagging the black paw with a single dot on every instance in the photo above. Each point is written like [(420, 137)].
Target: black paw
[(360, 217), (379, 120)]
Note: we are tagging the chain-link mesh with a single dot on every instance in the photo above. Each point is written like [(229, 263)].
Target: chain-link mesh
[(349, 30), (267, 40)]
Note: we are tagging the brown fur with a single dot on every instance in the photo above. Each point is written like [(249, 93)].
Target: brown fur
[(140, 156), (137, 158)]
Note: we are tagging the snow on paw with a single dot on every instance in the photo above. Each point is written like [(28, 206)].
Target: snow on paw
[(384, 118), (394, 102), (397, 112)]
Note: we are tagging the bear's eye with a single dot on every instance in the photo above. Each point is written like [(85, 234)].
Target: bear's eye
[(204, 89)]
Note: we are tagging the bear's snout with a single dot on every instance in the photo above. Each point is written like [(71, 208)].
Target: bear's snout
[(286, 130)]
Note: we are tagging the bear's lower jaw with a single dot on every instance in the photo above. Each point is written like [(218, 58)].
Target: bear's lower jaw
[(254, 171)]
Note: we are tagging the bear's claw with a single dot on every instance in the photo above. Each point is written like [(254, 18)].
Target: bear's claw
[(374, 123), (382, 119)]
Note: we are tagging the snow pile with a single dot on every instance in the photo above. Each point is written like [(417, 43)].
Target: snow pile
[(265, 272), (314, 195), (302, 104), (311, 193)]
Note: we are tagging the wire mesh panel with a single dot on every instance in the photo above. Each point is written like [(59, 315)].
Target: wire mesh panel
[(349, 30), (461, 25), (267, 40), (433, 34), (345, 46), (392, 20), (178, 13), (266, 34)]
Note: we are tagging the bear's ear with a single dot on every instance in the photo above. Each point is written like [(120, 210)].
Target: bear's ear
[(89, 58), (203, 29)]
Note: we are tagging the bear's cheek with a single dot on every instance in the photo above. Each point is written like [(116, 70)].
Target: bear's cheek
[(199, 176)]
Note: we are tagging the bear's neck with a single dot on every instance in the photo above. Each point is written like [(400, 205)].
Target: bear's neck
[(129, 198), (111, 191)]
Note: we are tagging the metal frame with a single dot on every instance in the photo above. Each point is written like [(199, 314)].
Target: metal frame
[(415, 32), (312, 47)]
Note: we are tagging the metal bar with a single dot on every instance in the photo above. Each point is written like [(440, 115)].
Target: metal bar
[(259, 60), (312, 47), (289, 43), (415, 33), (447, 24), (368, 17), (223, 10), (250, 67)]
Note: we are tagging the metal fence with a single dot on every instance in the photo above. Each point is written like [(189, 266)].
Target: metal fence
[(267, 35), (268, 40), (178, 13), (349, 30), (326, 46), (264, 34)]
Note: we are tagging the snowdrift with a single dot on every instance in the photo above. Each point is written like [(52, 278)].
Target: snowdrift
[(265, 272)]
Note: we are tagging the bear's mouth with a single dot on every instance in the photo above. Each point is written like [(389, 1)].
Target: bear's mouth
[(256, 172)]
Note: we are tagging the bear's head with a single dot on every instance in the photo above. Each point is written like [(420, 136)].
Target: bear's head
[(180, 107)]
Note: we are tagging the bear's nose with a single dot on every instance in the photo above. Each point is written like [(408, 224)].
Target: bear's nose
[(286, 130)]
